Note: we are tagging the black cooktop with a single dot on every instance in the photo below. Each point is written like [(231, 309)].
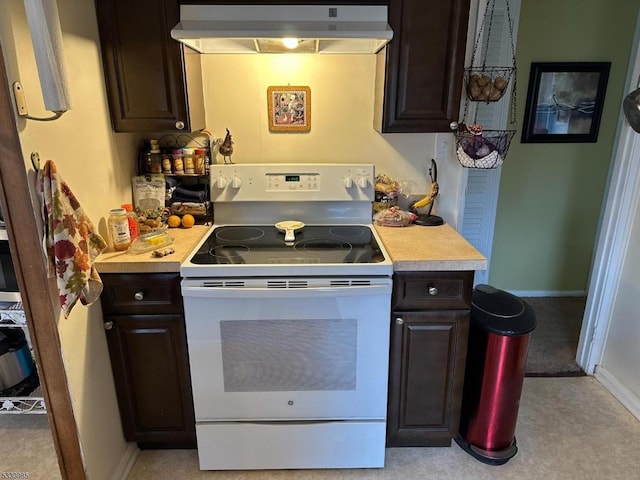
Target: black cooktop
[(265, 245)]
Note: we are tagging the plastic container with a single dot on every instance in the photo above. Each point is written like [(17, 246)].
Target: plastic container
[(155, 161), (119, 229), (187, 158), (198, 161), (166, 163), (134, 228), (150, 241), (177, 161)]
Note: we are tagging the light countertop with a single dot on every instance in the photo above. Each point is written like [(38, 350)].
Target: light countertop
[(184, 239), (419, 248), (412, 248)]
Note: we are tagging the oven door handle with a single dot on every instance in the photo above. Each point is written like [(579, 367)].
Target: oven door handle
[(287, 293)]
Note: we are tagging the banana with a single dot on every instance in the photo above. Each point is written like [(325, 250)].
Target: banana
[(430, 197)]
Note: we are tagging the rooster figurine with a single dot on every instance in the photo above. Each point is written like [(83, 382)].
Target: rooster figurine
[(226, 148)]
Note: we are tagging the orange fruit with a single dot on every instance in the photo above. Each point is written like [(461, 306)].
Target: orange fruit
[(188, 221), (173, 221)]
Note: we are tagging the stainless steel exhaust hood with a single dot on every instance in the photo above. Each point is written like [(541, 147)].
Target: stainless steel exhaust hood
[(324, 29)]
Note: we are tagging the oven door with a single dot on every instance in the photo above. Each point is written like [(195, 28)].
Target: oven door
[(274, 349)]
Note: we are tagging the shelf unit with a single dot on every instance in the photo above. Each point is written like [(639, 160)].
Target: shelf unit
[(166, 143), (12, 316)]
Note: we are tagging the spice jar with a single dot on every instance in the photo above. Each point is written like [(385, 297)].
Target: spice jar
[(187, 156), (166, 163), (156, 161), (119, 229), (178, 164), (198, 161)]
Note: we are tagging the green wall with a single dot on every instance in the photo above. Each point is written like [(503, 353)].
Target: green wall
[(551, 194)]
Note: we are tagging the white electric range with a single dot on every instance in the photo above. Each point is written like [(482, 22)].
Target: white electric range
[(288, 332)]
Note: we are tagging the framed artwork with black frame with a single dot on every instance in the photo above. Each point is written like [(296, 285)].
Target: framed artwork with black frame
[(564, 102)]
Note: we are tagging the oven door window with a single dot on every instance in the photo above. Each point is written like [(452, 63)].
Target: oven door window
[(307, 354), (289, 355)]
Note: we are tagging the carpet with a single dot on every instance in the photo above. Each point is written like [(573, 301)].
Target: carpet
[(554, 342)]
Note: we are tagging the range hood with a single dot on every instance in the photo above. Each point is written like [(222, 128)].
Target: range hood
[(327, 29)]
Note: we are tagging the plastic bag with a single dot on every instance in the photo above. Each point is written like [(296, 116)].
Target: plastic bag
[(149, 192), (394, 217), (386, 193)]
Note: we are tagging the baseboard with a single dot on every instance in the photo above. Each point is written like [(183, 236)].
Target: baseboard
[(548, 293), (126, 463), (623, 394), (556, 375)]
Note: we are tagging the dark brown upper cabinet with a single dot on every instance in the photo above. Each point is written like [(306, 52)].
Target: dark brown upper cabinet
[(154, 83), (283, 2), (419, 74)]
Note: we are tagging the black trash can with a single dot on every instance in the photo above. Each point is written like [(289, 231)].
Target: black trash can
[(499, 334)]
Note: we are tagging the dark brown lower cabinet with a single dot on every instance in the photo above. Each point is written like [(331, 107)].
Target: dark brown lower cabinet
[(428, 352), (150, 362)]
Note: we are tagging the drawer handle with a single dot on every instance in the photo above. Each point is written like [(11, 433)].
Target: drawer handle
[(138, 295), (433, 291), (399, 321), (108, 325)]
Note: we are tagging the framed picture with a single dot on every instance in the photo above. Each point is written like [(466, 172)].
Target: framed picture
[(564, 102), (289, 109)]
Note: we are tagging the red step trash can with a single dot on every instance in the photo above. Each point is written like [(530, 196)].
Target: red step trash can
[(500, 328)]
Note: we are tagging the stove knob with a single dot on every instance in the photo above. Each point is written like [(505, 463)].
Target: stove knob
[(348, 181), (236, 182), (221, 182), (363, 181)]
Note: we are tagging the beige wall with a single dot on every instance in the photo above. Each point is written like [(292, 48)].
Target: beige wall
[(97, 166), (342, 98)]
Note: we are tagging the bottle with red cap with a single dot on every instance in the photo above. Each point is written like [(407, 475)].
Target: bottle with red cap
[(134, 229)]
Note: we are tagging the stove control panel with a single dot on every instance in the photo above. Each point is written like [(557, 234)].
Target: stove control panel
[(291, 182)]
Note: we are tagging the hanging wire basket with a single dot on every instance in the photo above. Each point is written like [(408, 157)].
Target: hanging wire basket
[(487, 83), (477, 146), (484, 149)]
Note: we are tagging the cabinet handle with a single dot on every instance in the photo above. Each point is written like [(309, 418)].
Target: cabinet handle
[(138, 295), (399, 321), (453, 125), (180, 125), (433, 291), (108, 325)]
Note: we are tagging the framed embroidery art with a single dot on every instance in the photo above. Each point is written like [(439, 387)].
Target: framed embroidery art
[(289, 109)]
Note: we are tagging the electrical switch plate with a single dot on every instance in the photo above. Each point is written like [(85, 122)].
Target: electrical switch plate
[(21, 102), (443, 146)]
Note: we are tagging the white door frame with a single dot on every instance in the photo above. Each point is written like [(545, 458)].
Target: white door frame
[(615, 227)]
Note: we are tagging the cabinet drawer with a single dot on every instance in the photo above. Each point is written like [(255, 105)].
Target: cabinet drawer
[(151, 293), (432, 290)]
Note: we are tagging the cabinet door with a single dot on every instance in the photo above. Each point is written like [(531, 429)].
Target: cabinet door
[(151, 372), (153, 82), (426, 376), (419, 79)]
